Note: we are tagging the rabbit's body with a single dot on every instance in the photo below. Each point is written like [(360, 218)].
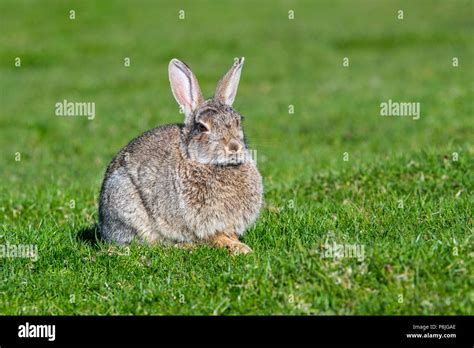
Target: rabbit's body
[(151, 192), (187, 183)]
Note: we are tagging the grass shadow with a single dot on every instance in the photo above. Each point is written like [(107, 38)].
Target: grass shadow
[(90, 235)]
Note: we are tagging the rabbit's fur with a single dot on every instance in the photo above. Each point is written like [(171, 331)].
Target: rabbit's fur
[(190, 183)]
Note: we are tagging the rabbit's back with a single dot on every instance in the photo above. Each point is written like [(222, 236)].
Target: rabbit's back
[(138, 195)]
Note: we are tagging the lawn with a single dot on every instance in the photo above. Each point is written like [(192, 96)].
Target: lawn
[(336, 172)]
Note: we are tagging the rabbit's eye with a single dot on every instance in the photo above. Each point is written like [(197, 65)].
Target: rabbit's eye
[(202, 128)]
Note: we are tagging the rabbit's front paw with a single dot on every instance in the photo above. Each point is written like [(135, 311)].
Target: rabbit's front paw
[(230, 242)]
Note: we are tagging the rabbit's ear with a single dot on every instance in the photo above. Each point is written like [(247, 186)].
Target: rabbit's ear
[(227, 87), (185, 87)]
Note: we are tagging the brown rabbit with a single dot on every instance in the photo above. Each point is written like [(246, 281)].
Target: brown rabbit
[(191, 183)]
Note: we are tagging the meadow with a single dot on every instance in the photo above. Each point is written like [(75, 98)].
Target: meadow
[(336, 172)]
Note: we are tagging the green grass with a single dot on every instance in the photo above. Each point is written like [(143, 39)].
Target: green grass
[(402, 194)]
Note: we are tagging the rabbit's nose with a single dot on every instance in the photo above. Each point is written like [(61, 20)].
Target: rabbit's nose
[(233, 146)]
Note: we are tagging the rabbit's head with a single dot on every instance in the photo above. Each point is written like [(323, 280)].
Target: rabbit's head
[(212, 131)]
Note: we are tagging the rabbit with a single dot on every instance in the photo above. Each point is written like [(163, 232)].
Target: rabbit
[(186, 184)]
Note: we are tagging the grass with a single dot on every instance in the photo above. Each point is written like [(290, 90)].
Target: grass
[(404, 194)]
